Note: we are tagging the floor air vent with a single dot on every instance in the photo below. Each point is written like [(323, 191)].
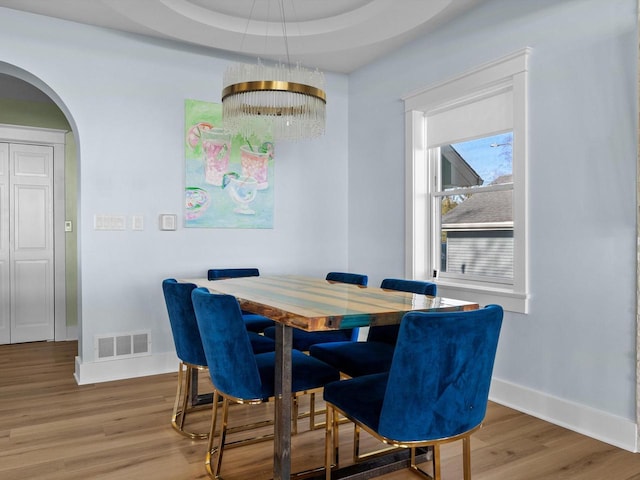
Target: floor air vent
[(110, 347)]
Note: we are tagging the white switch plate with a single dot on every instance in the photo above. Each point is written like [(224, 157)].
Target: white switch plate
[(168, 221), (118, 222), (137, 222), (68, 226), (109, 222)]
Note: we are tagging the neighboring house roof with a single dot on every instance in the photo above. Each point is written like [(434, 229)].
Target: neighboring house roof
[(462, 174), (483, 208)]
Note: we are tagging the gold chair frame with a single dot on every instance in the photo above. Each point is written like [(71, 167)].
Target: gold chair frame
[(312, 413), (332, 446), (213, 467), (185, 402)]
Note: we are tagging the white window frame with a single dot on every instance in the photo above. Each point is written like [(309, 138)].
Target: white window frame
[(510, 73)]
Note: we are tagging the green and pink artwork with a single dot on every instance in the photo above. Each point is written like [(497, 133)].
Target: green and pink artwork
[(229, 179)]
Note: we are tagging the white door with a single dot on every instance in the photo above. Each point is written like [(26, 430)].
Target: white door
[(31, 253)]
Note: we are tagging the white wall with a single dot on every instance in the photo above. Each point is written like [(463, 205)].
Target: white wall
[(125, 99), (572, 359)]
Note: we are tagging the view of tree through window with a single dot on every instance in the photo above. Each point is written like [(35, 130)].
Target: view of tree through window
[(475, 195)]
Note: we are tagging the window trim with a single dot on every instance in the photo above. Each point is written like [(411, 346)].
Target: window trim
[(507, 72)]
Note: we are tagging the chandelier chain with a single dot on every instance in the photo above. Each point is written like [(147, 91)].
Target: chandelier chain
[(284, 31)]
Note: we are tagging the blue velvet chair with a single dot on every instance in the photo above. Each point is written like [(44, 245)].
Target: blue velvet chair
[(253, 322), (435, 392), (302, 340), (186, 338), (237, 374), (373, 356)]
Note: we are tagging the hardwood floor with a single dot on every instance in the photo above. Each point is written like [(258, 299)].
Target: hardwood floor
[(53, 429)]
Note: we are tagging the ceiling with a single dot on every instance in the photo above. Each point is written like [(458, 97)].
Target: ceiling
[(333, 35)]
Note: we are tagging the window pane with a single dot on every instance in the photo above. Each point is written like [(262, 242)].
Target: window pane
[(483, 161), (477, 235)]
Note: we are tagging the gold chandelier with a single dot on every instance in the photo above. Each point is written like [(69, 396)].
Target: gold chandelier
[(282, 101)]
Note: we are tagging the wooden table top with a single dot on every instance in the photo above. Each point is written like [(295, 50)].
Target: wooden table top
[(315, 304)]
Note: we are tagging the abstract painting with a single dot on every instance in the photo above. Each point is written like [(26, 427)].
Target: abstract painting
[(228, 179)]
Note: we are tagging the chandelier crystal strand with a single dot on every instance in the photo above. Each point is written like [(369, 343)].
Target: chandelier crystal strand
[(286, 103)]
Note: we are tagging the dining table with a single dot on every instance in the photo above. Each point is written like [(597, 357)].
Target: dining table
[(315, 304)]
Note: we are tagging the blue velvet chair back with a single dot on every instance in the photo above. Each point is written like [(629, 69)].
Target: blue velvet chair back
[(355, 279), (232, 364), (439, 380), (412, 286), (342, 277), (389, 333), (220, 273), (184, 327)]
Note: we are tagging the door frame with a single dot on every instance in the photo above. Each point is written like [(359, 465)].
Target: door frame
[(56, 139), (638, 235)]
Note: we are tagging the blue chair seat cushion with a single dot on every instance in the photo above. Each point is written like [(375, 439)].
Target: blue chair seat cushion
[(302, 340), (307, 373), (361, 398), (256, 323), (355, 358), (260, 343)]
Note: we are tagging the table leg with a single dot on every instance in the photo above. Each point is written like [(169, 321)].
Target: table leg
[(283, 404)]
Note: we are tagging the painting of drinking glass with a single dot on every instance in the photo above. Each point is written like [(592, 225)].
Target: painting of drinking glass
[(228, 178)]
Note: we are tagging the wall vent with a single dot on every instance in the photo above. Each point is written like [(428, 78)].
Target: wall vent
[(122, 345)]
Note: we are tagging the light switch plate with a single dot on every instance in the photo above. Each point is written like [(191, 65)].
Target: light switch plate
[(168, 221), (137, 222)]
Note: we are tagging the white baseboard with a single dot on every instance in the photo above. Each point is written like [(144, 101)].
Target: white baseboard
[(119, 369), (618, 431)]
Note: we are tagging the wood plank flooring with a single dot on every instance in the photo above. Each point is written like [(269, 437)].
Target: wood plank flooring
[(53, 429)]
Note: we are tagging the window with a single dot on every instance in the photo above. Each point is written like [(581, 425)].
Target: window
[(466, 158), (472, 199)]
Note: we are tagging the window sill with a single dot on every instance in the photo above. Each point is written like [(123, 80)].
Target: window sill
[(509, 300)]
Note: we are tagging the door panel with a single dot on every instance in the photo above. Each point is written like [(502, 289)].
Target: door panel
[(31, 240), (32, 228), (32, 302)]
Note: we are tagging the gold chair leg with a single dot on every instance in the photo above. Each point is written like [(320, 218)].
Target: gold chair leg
[(360, 457), (186, 395), (328, 445), (336, 436), (312, 411), (294, 415), (466, 457), (212, 433), (222, 439), (181, 404), (436, 461), (214, 471), (177, 411)]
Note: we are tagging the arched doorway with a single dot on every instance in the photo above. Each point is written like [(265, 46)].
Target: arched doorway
[(27, 102)]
